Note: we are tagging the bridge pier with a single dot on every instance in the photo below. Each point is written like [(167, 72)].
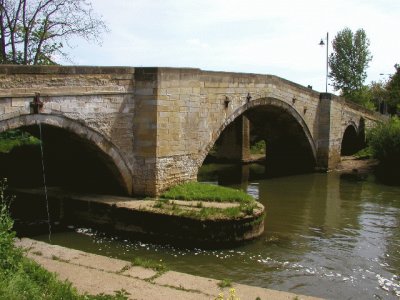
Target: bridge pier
[(328, 146), (234, 143)]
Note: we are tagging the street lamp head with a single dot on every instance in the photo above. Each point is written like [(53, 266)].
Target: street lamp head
[(321, 43)]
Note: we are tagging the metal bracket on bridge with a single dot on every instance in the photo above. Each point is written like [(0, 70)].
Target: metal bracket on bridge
[(248, 98), (36, 104)]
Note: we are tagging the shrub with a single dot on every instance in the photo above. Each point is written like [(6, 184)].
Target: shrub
[(384, 140)]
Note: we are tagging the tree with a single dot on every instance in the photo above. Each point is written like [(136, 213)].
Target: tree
[(35, 31), (393, 90), (349, 62)]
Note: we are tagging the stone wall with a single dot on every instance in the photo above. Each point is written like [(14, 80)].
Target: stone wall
[(96, 103)]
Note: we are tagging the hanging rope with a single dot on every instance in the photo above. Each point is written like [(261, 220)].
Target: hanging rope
[(44, 181)]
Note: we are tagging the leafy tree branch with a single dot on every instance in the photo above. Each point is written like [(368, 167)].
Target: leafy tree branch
[(35, 31)]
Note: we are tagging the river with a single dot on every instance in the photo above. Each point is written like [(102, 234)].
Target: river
[(328, 235)]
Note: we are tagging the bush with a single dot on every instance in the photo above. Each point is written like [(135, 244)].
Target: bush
[(384, 141)]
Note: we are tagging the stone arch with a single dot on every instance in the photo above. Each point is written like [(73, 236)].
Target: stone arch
[(96, 139), (351, 139), (260, 102)]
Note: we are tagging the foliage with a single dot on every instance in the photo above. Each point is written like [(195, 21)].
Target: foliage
[(15, 138), (364, 153), (393, 91), (225, 283), (35, 31), (384, 139), (20, 277), (204, 213), (231, 296), (206, 192), (349, 61), (363, 96), (8, 257), (258, 148)]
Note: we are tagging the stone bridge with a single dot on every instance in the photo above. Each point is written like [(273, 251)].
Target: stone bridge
[(153, 127)]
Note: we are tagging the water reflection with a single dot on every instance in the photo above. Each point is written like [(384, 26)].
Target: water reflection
[(339, 228), (326, 235)]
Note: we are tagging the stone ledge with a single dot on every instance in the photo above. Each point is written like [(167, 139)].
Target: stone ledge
[(143, 219), (136, 280)]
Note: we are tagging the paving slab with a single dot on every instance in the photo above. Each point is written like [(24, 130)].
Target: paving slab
[(94, 274), (139, 272), (76, 257)]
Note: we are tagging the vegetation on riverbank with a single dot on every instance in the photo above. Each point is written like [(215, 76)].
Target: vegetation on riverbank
[(16, 138), (365, 153), (192, 191), (242, 203), (157, 266), (258, 148), (384, 140), (22, 278)]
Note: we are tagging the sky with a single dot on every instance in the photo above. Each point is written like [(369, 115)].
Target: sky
[(251, 36)]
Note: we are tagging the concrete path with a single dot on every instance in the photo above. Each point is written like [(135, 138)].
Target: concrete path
[(96, 274)]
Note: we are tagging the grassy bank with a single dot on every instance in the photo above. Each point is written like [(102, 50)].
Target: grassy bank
[(192, 191), (20, 277), (199, 193), (16, 138)]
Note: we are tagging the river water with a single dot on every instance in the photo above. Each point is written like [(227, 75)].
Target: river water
[(328, 235)]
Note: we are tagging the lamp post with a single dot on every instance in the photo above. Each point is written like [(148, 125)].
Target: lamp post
[(321, 43)]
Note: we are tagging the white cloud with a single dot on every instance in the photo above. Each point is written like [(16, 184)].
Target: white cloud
[(259, 36)]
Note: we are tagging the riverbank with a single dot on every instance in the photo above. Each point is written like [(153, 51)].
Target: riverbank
[(94, 274), (354, 165)]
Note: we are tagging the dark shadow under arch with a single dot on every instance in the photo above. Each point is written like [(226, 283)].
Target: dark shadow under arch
[(353, 140), (86, 156), (283, 106)]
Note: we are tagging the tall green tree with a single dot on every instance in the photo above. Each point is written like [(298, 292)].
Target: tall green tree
[(393, 91), (36, 31), (349, 61)]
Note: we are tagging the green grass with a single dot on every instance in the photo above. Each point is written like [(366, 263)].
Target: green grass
[(225, 283), (364, 153), (204, 213), (157, 266), (16, 138), (193, 191), (22, 278)]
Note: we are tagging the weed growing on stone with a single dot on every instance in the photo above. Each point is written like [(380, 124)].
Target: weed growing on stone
[(225, 283), (231, 296), (157, 266)]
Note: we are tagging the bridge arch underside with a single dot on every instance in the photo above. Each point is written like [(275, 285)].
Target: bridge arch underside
[(289, 146), (75, 157), (352, 140)]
